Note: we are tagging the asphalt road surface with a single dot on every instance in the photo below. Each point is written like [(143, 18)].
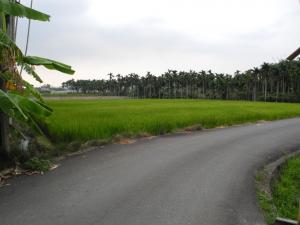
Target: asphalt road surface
[(203, 178)]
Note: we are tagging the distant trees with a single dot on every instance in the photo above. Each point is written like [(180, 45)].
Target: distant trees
[(270, 82)]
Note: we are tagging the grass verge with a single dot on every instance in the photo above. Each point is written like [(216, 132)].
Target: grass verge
[(264, 197), (283, 199), (286, 192)]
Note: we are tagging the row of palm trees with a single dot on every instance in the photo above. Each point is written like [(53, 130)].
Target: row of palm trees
[(270, 82)]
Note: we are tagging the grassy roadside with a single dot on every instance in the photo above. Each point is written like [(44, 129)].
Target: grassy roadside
[(264, 197), (286, 193), (283, 201), (84, 120)]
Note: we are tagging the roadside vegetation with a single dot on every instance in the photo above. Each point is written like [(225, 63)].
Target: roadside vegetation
[(286, 193), (103, 119), (282, 200), (264, 196), (22, 108)]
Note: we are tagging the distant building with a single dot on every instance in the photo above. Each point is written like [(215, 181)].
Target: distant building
[(54, 90), (45, 88)]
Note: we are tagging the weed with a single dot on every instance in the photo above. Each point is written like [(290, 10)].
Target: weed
[(38, 164)]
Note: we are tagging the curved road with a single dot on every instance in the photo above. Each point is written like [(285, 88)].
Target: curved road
[(203, 178)]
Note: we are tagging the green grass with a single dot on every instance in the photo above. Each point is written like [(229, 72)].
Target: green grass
[(264, 197), (102, 119), (287, 191), (266, 204)]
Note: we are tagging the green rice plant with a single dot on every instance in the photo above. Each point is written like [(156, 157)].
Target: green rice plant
[(103, 119)]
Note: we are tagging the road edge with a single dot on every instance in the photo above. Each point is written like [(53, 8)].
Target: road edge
[(265, 179)]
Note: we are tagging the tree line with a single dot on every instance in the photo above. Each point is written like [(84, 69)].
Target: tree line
[(277, 82)]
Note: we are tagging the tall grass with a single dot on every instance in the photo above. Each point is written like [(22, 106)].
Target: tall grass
[(102, 119)]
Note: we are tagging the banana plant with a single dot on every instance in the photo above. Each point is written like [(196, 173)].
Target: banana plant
[(23, 103)]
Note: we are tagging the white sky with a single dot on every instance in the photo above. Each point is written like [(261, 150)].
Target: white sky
[(97, 37)]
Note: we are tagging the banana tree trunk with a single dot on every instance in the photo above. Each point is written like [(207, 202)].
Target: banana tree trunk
[(4, 125), (4, 131)]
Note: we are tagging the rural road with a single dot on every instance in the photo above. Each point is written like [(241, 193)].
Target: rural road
[(202, 178)]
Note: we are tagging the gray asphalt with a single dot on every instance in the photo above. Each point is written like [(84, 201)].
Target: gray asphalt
[(201, 178)]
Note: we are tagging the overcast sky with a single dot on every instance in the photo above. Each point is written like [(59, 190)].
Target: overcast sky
[(123, 36)]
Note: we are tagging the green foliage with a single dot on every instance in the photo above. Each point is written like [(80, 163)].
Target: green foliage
[(266, 204), (287, 191), (264, 197), (103, 119), (30, 71), (15, 9), (25, 110), (24, 103), (9, 106), (276, 82), (38, 164), (30, 90), (49, 64), (7, 43)]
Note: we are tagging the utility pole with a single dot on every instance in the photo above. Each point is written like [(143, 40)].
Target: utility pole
[(294, 54), (4, 124)]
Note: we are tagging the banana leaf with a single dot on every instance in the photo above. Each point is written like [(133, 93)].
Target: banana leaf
[(31, 71), (31, 91), (8, 104), (19, 10), (24, 109), (49, 64), (6, 42), (31, 106)]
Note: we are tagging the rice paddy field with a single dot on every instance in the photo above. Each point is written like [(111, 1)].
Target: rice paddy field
[(91, 119)]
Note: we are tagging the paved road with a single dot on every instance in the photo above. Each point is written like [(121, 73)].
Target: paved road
[(204, 178)]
